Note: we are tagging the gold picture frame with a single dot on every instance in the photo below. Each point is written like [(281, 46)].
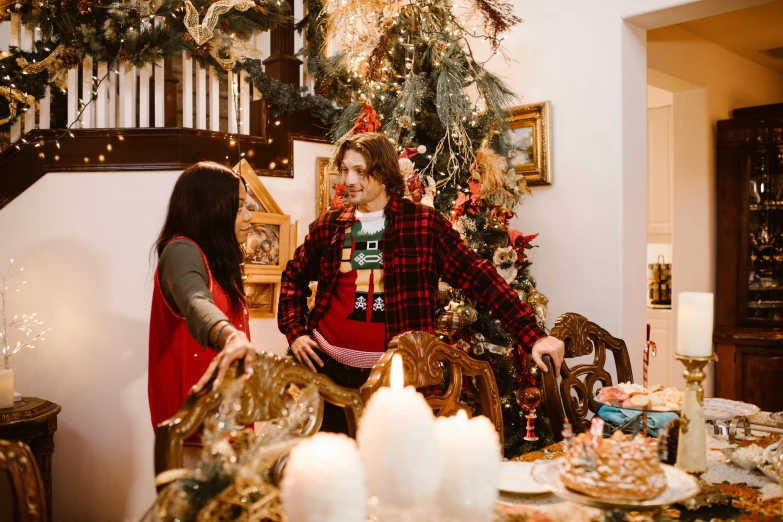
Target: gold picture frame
[(261, 293), (325, 180), (268, 245), (530, 133), (258, 197)]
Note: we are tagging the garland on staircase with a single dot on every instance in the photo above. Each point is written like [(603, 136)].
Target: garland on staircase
[(214, 33)]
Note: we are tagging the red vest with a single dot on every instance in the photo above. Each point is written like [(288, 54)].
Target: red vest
[(177, 361)]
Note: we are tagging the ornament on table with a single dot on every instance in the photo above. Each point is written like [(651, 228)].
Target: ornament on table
[(568, 435), (538, 302), (505, 260), (529, 399)]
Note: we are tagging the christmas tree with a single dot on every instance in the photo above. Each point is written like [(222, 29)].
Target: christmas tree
[(408, 70)]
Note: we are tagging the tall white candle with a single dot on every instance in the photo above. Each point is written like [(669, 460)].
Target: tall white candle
[(470, 456), (397, 444), (324, 481), (6, 389), (694, 324)]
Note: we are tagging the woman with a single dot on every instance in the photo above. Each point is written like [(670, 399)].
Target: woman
[(199, 318)]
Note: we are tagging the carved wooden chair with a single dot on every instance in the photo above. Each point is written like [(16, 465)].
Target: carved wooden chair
[(264, 397), (574, 396), (26, 487), (422, 354)]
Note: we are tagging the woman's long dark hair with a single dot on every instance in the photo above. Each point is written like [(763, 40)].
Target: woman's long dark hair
[(203, 207)]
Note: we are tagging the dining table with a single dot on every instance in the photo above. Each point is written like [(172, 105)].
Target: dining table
[(747, 495)]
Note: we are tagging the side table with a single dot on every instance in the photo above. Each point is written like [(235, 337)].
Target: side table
[(34, 421)]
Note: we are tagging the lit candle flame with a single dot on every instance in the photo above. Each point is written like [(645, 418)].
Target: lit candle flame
[(462, 418), (397, 379)]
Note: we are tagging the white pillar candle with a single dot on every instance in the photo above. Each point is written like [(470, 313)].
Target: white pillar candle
[(470, 453), (397, 444), (324, 481), (6, 389), (694, 324)]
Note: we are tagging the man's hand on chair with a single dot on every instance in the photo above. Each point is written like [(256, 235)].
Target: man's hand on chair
[(552, 347)]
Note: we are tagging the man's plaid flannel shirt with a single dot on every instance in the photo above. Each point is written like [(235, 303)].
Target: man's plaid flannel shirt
[(419, 248)]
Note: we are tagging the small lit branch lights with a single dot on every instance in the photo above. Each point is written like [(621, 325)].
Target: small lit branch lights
[(25, 324), (435, 36)]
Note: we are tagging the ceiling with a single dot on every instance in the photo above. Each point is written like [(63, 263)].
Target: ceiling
[(745, 32)]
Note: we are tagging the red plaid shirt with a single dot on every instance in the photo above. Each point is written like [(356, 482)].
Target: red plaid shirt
[(419, 248)]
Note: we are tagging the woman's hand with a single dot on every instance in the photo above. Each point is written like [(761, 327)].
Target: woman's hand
[(304, 350), (236, 346)]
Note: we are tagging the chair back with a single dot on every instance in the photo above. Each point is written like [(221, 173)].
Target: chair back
[(264, 397), (574, 396), (27, 497), (422, 355)]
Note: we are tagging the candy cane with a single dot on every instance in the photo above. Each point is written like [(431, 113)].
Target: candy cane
[(649, 349)]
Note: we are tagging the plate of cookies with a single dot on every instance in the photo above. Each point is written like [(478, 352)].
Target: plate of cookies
[(620, 472), (637, 397)]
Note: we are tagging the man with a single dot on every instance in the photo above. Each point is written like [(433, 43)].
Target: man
[(377, 262)]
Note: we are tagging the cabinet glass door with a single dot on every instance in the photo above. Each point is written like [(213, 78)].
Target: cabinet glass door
[(765, 220)]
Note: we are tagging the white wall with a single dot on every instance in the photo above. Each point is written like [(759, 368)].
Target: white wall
[(84, 241), (592, 220)]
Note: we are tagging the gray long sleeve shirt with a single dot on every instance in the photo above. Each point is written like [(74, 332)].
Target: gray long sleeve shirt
[(185, 285)]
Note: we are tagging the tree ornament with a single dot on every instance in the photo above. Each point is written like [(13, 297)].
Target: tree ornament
[(85, 7), (467, 312), (450, 323), (405, 121), (538, 302), (445, 294), (70, 57), (124, 55)]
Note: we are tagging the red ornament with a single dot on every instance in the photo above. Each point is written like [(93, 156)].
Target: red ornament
[(367, 122), (85, 8), (529, 399)]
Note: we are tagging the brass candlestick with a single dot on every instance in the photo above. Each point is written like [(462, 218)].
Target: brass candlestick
[(692, 443)]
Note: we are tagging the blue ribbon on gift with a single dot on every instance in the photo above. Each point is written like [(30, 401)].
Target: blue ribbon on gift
[(620, 416)]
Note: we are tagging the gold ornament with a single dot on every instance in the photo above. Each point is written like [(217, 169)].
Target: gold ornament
[(14, 96), (36, 67), (467, 312), (538, 302)]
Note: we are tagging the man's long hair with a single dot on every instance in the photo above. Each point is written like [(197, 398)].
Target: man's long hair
[(381, 158), (203, 207)]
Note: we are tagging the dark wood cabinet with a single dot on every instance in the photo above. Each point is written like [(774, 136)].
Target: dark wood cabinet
[(749, 287)]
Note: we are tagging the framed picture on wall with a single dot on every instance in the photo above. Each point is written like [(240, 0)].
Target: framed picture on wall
[(267, 248), (258, 197), (529, 132), (329, 190), (261, 293)]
